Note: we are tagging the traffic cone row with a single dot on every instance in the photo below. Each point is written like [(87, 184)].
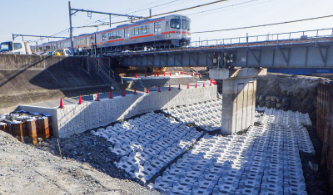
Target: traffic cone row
[(135, 93)]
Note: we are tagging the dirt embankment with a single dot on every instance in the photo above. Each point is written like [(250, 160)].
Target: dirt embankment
[(27, 170)]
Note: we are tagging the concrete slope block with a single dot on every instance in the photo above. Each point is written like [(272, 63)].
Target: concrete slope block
[(264, 160), (148, 143), (205, 114)]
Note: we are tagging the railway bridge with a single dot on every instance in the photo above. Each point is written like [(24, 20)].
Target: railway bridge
[(253, 54)]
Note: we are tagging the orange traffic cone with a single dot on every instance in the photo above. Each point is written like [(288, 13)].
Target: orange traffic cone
[(169, 88), (147, 90), (97, 97), (210, 84), (188, 86), (154, 74), (80, 99), (159, 89), (145, 74), (124, 92), (170, 73), (203, 84), (164, 74), (179, 87), (61, 104), (111, 95), (136, 75), (196, 85), (158, 74), (134, 91)]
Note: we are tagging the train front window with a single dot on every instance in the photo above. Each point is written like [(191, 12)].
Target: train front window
[(175, 23), (184, 24)]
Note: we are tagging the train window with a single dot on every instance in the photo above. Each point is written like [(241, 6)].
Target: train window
[(188, 24), (175, 23), (114, 35), (144, 30), (184, 24)]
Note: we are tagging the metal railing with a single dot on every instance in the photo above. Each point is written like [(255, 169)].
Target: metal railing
[(105, 70), (298, 37)]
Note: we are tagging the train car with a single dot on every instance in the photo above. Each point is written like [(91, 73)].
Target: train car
[(168, 30)]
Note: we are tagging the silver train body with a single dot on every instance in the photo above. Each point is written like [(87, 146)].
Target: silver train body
[(169, 30)]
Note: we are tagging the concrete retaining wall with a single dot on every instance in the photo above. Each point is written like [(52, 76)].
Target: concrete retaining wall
[(26, 79), (75, 119)]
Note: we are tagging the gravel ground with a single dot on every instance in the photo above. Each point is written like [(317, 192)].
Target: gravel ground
[(25, 169)]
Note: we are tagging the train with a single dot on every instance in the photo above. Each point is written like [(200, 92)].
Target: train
[(169, 30)]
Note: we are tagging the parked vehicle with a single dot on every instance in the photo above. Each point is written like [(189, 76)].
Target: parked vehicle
[(15, 47)]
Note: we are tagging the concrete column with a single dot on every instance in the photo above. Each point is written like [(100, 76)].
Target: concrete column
[(238, 105), (239, 94)]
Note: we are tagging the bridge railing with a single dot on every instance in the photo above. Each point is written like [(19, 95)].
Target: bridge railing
[(311, 36)]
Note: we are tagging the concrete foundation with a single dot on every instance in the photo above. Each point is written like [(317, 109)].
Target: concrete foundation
[(238, 106), (75, 118)]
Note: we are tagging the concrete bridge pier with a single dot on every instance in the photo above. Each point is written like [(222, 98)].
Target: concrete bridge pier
[(239, 95)]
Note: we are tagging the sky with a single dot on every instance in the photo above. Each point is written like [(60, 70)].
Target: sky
[(45, 17)]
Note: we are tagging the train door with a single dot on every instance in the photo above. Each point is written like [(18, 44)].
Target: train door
[(104, 35), (157, 30), (126, 35), (167, 28)]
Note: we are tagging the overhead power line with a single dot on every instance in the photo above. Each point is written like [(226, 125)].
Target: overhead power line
[(263, 25), (171, 12)]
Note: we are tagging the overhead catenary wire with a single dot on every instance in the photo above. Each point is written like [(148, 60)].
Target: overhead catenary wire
[(263, 25), (161, 14)]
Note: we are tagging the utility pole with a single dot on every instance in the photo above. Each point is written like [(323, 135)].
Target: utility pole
[(70, 26)]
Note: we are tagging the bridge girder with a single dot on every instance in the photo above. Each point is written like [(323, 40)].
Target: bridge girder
[(308, 55)]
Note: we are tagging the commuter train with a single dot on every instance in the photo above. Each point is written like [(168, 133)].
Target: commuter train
[(169, 30)]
